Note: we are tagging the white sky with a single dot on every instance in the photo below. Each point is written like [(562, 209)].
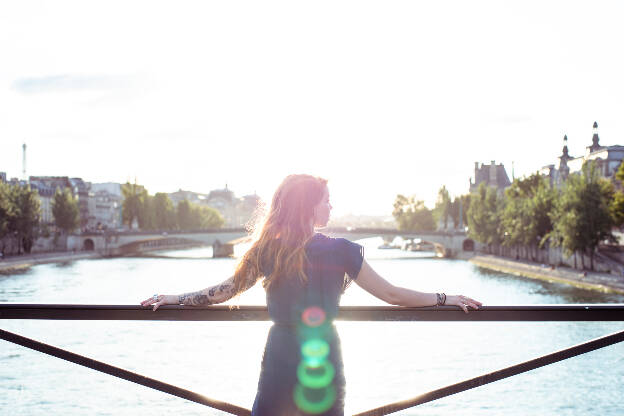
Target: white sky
[(380, 97)]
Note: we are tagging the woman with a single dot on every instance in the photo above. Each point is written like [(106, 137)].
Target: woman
[(305, 274)]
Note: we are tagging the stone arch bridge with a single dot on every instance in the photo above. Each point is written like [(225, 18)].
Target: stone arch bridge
[(447, 243)]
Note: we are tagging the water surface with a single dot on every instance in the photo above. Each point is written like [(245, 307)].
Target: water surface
[(384, 361)]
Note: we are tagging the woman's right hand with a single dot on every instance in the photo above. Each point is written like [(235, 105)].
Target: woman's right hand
[(159, 300), (463, 302)]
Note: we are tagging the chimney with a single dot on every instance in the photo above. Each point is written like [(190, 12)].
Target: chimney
[(493, 180)]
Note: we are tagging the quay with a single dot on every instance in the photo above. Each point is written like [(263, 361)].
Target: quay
[(20, 263), (602, 282)]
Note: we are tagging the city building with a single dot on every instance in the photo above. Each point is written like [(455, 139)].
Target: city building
[(105, 204), (192, 197), (246, 209), (607, 158), (46, 187), (46, 195), (54, 182), (492, 175), (3, 177), (224, 201), (81, 193), (112, 188), (106, 209), (17, 182), (236, 211)]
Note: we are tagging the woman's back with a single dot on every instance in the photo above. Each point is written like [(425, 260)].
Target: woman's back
[(302, 370), (332, 263)]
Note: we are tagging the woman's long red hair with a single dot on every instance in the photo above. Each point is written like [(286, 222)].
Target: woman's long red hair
[(282, 236)]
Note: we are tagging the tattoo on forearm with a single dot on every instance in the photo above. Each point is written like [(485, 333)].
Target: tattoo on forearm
[(215, 294), (226, 287), (200, 299), (194, 299)]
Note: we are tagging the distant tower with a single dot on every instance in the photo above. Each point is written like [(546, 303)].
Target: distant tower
[(24, 161), (565, 146), (595, 140), (564, 170)]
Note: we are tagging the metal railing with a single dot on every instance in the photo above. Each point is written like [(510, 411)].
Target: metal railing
[(594, 312)]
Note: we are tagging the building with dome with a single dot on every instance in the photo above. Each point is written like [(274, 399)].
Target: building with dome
[(236, 211)]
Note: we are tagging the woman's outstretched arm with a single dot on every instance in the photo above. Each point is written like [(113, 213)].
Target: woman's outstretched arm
[(211, 295), (373, 283)]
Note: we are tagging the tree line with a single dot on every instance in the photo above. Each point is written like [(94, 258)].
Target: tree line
[(20, 214), (158, 213), (20, 217), (411, 214), (530, 215)]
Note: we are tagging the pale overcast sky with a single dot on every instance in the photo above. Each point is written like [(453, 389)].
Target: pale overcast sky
[(380, 97)]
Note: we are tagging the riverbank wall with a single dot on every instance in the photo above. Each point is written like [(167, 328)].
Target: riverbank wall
[(20, 263), (600, 281), (16, 264)]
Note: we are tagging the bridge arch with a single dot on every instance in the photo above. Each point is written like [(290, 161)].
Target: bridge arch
[(88, 245), (468, 244)]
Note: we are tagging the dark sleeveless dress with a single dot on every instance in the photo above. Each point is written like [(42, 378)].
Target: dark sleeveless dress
[(288, 385)]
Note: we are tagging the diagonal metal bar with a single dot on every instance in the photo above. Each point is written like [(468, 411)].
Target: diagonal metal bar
[(498, 375), (541, 313), (124, 374)]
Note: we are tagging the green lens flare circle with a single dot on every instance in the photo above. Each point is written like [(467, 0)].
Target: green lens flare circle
[(315, 350), (315, 377), (314, 407)]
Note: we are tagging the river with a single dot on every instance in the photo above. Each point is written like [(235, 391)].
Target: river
[(384, 361)]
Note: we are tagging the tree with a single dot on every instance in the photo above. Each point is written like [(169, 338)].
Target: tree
[(194, 217), (526, 218), (24, 224), (146, 213), (458, 210), (484, 216), (617, 209), (209, 217), (465, 206), (412, 214), (442, 209), (542, 205), (65, 210), (6, 209), (184, 215), (582, 215), (133, 203), (617, 204), (164, 212)]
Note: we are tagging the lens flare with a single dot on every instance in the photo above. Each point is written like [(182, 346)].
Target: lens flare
[(316, 377), (315, 392), (313, 316), (315, 350), (314, 401)]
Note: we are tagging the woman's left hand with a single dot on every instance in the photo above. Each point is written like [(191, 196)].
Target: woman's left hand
[(463, 302)]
